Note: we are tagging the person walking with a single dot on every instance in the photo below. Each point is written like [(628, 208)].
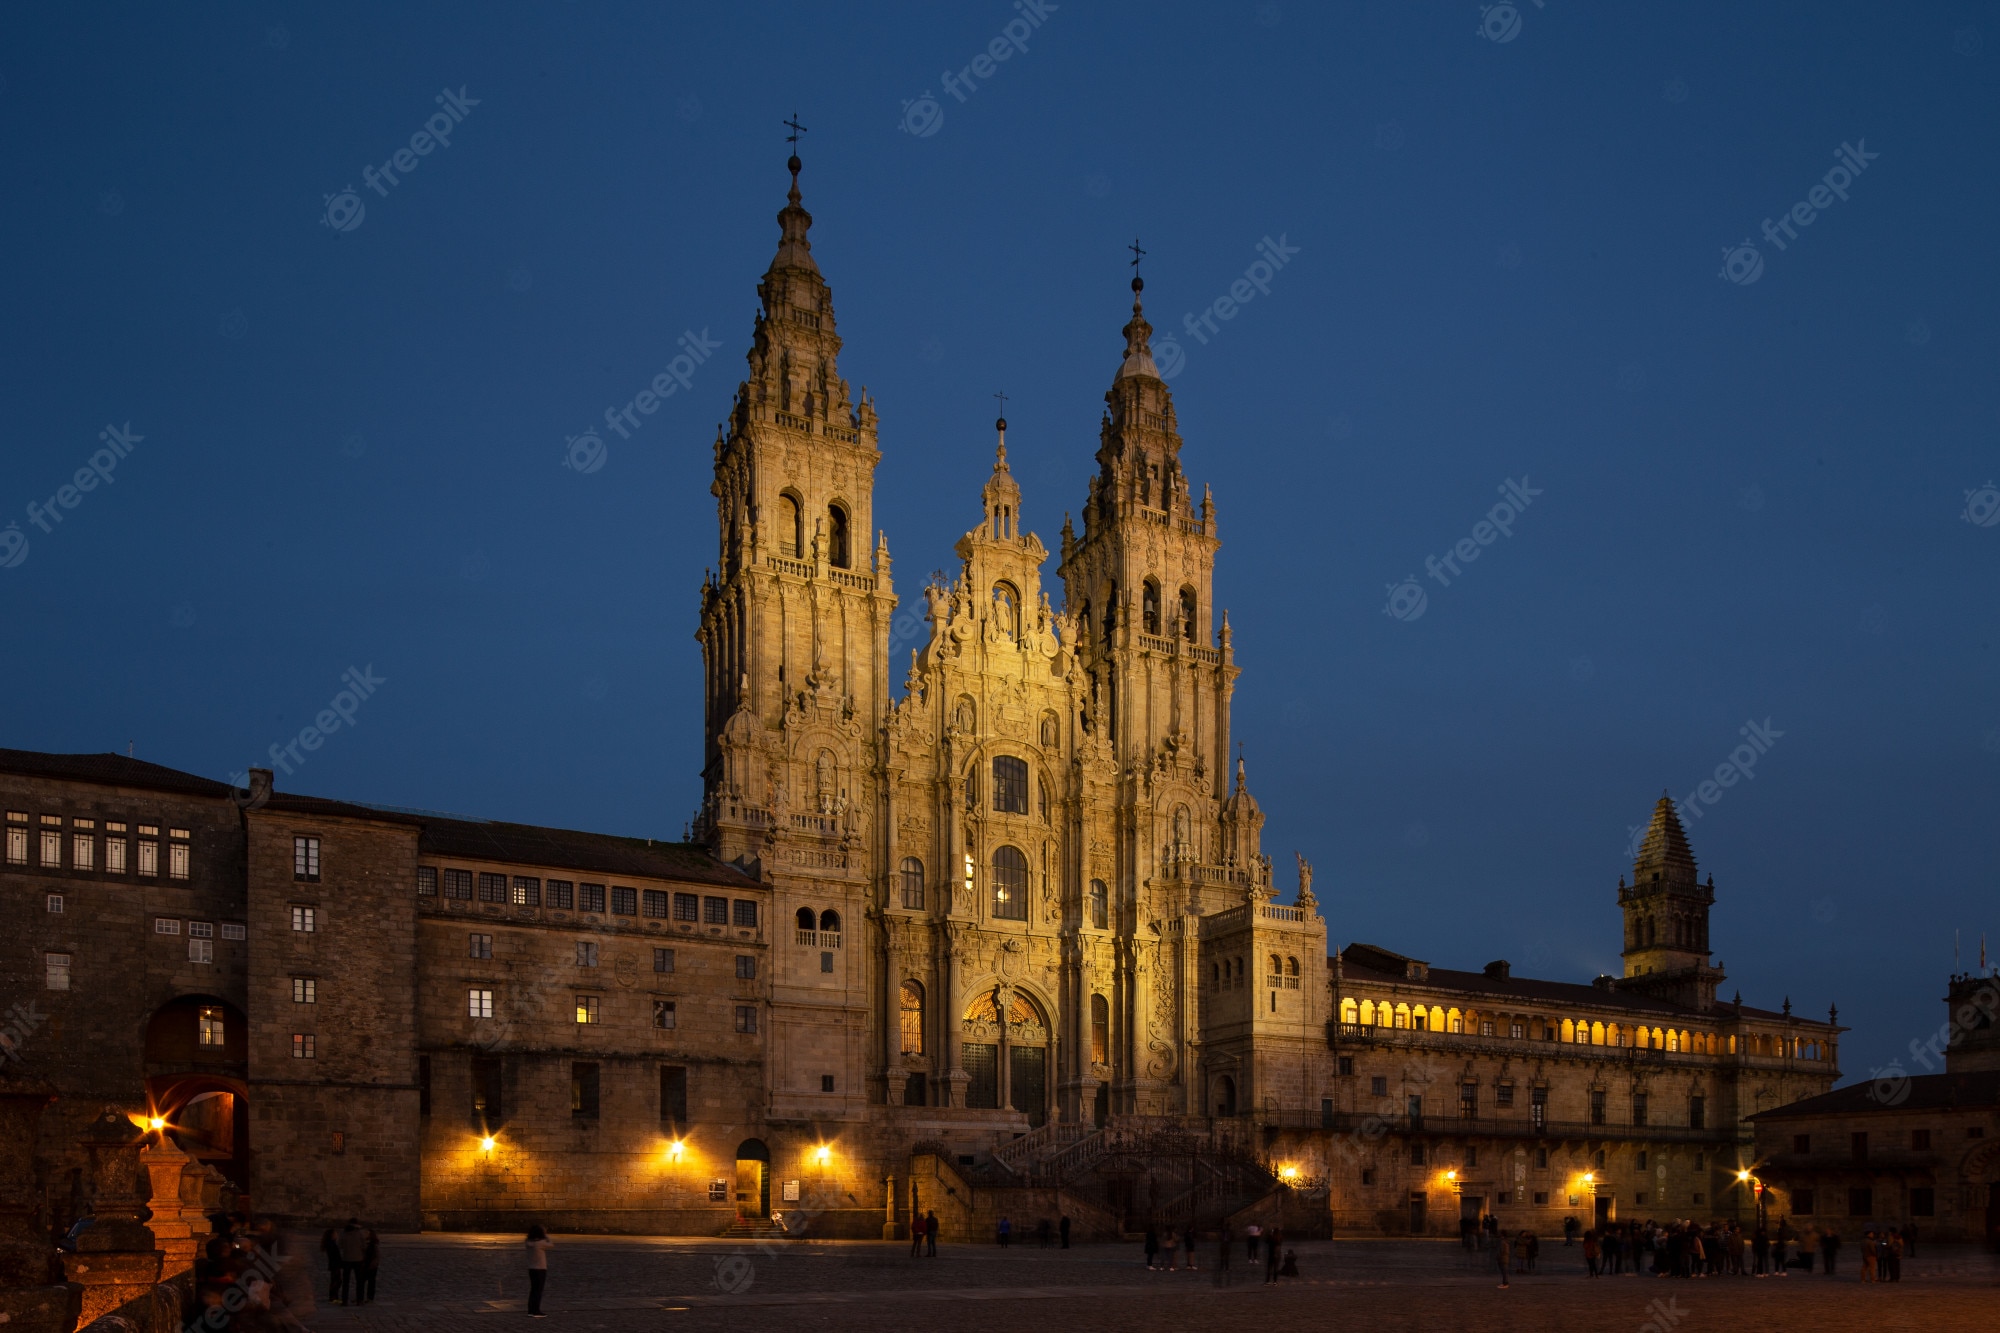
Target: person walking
[(329, 1245), (1062, 1227), (538, 1245), (353, 1249), (1503, 1255), (930, 1234)]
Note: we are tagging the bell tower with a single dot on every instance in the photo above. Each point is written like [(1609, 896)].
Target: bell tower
[(1666, 917), (795, 616)]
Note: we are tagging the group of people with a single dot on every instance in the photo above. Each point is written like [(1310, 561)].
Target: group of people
[(353, 1258), (1279, 1262), (1689, 1249), (246, 1281), (1045, 1233)]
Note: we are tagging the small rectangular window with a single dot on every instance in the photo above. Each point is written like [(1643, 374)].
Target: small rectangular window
[(305, 858), (305, 920), (590, 897), (51, 849), (492, 887), (624, 900), (561, 895), (211, 1030), (55, 903), (527, 891), (718, 1191), (826, 961), (746, 1018), (586, 1008), (177, 860), (302, 1046), (458, 884), (479, 1002), (586, 953), (1347, 1064), (687, 907), (55, 971), (305, 990), (1503, 1094), (204, 930), (653, 903), (1368, 1175), (149, 830), (826, 1083), (201, 951), (427, 881), (663, 960), (115, 850), (1920, 1140), (1378, 1086), (149, 856), (479, 946), (715, 911), (663, 1013), (746, 966), (746, 913), (83, 851), (234, 930), (583, 1089), (166, 925), (17, 846)]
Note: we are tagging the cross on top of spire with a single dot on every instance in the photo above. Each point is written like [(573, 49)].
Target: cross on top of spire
[(796, 130), (1138, 283)]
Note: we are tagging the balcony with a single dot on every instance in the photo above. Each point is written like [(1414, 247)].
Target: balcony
[(1524, 1126)]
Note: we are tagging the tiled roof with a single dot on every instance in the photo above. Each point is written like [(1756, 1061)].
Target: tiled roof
[(1923, 1092), (114, 770), (1514, 988)]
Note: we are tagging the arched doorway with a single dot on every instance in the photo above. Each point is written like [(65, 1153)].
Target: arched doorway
[(1006, 1050), (196, 1059), (753, 1179), (1225, 1095)]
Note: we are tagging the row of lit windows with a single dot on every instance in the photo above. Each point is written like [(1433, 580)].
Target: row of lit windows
[(1010, 888), (488, 1086), (567, 895), (1228, 974), (1369, 1013), (84, 842), (481, 1002), (200, 935)]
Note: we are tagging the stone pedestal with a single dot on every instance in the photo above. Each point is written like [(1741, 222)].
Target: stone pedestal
[(115, 1260), (179, 1202), (33, 1298)]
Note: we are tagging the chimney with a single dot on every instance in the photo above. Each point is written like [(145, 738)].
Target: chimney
[(260, 786), (1499, 969)]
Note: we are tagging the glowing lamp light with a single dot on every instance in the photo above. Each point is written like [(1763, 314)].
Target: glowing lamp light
[(1743, 1175), (1288, 1173), (822, 1153), (157, 1122), (674, 1148), (486, 1143), (1451, 1175), (1590, 1177)]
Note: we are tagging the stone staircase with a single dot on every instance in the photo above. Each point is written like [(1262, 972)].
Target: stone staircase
[(754, 1228)]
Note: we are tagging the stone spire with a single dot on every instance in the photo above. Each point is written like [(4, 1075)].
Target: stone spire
[(1664, 855), (794, 250), (1138, 340)]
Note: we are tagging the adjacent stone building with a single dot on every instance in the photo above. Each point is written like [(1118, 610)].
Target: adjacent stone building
[(1008, 932)]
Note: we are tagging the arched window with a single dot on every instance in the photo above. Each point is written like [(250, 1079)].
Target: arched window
[(1111, 611), (1402, 1015), (1225, 1095), (1597, 1034), (807, 921), (1149, 611), (912, 876), (1673, 1040), (790, 532), (1569, 1030), (1099, 908), (1368, 1013), (1007, 610), (836, 536), (829, 921), (1349, 1012), (1188, 627), (1100, 1030), (1010, 884), (1277, 971), (1292, 978), (1010, 785), (913, 1018)]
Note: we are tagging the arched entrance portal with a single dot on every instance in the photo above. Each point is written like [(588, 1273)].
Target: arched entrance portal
[(1005, 1048), (753, 1179), (196, 1060)]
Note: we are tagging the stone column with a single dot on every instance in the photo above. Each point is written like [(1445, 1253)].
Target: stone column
[(33, 1298), (115, 1259), (889, 1208)]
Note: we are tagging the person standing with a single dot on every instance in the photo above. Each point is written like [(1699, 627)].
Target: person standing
[(1223, 1242), (1173, 1250), (1503, 1254), (916, 1236), (1274, 1243), (1760, 1250), (1006, 1232), (1250, 1235), (1042, 1233), (1590, 1251), (1895, 1255), (353, 1249), (1829, 1248), (1152, 1247), (1531, 1247), (1869, 1264), (538, 1245), (1062, 1227), (930, 1234), (371, 1265), (329, 1245)]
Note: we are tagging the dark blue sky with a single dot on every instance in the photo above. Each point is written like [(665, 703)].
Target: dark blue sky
[(1753, 496)]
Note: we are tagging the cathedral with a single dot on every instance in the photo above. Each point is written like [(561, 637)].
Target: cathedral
[(1004, 944)]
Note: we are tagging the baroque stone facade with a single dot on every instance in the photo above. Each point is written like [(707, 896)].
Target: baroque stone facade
[(1008, 932)]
